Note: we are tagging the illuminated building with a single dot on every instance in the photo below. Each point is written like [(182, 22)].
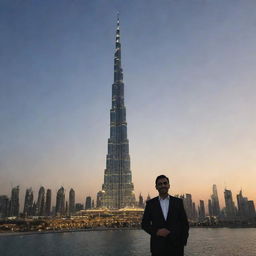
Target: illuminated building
[(118, 187)]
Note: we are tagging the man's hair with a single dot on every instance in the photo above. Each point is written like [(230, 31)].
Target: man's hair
[(161, 177)]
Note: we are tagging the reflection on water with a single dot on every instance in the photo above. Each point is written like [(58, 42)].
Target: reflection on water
[(202, 242)]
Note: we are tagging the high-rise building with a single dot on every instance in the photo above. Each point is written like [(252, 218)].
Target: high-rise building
[(34, 209), (188, 205), (71, 201), (54, 210), (230, 209), (141, 203), (99, 199), (242, 204), (48, 202), (210, 207), (40, 205), (14, 203), (28, 204), (251, 209), (201, 211), (88, 203), (4, 204), (60, 202), (118, 187), (215, 201), (66, 208), (194, 210)]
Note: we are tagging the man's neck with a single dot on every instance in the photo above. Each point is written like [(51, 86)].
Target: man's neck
[(164, 196)]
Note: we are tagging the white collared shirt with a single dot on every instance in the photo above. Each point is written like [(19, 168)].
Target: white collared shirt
[(164, 205)]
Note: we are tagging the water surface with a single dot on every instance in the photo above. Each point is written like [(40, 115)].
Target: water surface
[(202, 242)]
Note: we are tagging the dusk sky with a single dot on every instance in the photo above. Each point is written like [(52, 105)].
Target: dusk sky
[(190, 94)]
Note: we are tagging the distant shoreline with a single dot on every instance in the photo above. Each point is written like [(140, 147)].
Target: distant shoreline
[(2, 234), (63, 231)]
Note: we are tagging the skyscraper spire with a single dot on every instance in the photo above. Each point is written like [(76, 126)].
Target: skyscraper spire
[(118, 72), (118, 188)]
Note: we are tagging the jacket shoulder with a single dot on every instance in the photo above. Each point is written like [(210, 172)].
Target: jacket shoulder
[(153, 200), (176, 198)]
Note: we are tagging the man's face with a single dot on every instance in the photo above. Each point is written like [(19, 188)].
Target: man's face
[(162, 186)]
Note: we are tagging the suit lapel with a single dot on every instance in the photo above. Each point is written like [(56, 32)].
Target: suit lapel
[(171, 207)]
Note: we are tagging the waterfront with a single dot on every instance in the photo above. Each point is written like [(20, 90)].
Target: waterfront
[(202, 242)]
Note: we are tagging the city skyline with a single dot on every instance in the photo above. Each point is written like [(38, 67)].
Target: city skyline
[(236, 205), (190, 94), (217, 201)]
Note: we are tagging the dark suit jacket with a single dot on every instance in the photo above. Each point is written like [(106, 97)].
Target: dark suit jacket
[(176, 222)]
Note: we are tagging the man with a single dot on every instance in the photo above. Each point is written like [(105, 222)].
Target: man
[(166, 221)]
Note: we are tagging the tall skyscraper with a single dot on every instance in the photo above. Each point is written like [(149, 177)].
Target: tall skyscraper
[(28, 204), (251, 208), (215, 201), (118, 187), (71, 201), (48, 202), (60, 202), (210, 207), (66, 209), (201, 210), (230, 206), (194, 210), (40, 202), (34, 209), (14, 203), (242, 204), (188, 205)]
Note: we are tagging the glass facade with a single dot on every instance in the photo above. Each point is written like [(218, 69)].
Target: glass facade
[(118, 188)]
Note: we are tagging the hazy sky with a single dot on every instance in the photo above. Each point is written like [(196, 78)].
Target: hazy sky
[(189, 74)]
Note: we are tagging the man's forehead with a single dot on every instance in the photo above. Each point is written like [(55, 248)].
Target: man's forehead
[(162, 180)]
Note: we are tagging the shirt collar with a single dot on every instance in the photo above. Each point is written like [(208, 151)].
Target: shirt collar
[(167, 198)]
